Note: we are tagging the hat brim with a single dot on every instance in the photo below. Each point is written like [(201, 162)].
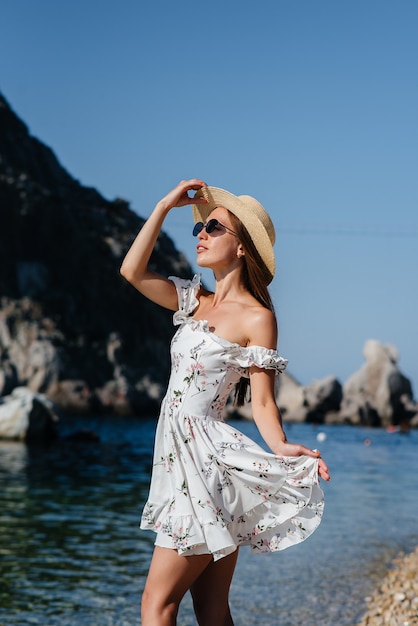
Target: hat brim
[(239, 206)]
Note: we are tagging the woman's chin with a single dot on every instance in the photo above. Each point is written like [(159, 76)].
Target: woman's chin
[(200, 262)]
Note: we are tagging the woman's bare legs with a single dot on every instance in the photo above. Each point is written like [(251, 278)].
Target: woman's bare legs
[(211, 590), (169, 577)]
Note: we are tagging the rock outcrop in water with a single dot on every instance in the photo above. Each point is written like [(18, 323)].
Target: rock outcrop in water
[(378, 394), (70, 327)]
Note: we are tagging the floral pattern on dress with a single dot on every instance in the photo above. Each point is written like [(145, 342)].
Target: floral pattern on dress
[(212, 487)]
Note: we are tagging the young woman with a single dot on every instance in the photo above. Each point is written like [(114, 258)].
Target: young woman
[(213, 489)]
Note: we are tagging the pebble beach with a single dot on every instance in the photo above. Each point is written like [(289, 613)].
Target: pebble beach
[(395, 601)]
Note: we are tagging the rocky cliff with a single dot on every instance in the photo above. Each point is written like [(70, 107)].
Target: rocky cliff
[(70, 327)]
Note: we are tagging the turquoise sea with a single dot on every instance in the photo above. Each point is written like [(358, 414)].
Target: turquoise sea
[(71, 552)]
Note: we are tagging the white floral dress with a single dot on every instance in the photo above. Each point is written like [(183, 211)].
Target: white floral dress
[(212, 488)]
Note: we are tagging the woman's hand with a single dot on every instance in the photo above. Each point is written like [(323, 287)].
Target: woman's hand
[(323, 470), (296, 449), (135, 267), (266, 414), (179, 196)]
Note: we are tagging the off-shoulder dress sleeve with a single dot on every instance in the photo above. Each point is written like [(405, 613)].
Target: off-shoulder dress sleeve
[(242, 359), (261, 357)]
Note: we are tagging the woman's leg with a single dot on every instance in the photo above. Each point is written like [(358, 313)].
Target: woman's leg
[(169, 577), (210, 592)]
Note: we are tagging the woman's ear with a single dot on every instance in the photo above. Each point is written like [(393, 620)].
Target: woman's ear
[(240, 251)]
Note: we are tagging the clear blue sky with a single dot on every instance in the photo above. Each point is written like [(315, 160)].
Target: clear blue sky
[(309, 105)]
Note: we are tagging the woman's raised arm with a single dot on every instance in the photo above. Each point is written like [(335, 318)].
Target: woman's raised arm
[(135, 264)]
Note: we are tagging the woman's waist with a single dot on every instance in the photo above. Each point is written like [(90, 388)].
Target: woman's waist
[(176, 408)]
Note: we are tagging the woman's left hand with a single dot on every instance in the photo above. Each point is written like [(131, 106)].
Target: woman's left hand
[(323, 471), (296, 449)]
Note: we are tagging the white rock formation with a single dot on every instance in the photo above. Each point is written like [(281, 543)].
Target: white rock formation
[(25, 416)]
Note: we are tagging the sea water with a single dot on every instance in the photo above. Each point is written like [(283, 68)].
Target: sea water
[(71, 551)]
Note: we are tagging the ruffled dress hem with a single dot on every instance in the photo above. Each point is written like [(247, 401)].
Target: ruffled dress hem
[(265, 529)]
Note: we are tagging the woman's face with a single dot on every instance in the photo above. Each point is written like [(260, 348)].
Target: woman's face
[(218, 249)]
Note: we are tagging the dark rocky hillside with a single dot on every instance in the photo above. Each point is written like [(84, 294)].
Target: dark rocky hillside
[(70, 326)]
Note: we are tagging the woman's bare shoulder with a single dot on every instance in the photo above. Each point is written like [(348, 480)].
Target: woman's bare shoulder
[(261, 325)]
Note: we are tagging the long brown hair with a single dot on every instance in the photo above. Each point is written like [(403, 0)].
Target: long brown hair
[(256, 277)]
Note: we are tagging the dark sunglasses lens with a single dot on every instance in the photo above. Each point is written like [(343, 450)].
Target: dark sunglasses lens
[(211, 225), (197, 228)]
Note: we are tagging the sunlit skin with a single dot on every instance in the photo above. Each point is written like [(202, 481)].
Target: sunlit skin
[(236, 316), (219, 252)]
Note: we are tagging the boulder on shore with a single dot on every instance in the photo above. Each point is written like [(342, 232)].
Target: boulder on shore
[(27, 416)]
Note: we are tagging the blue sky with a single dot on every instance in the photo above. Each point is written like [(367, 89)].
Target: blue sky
[(310, 106)]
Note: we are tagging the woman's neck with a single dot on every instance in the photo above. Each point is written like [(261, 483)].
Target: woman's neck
[(229, 287)]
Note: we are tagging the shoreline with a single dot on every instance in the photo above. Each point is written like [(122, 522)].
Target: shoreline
[(395, 601)]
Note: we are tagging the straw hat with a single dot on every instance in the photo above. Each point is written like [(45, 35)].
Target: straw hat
[(249, 211)]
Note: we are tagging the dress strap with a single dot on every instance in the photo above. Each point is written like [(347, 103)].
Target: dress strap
[(187, 291)]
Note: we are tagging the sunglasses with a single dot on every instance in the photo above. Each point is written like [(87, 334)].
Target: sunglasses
[(210, 227)]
